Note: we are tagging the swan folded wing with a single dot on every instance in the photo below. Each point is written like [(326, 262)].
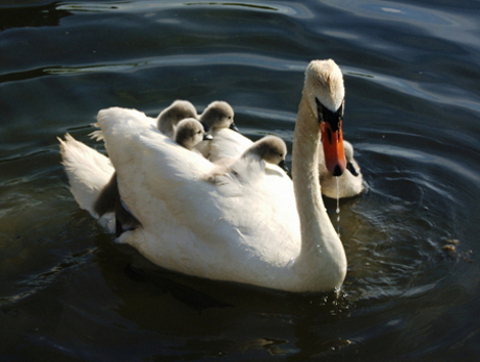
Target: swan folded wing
[(167, 192), (177, 177), (241, 206)]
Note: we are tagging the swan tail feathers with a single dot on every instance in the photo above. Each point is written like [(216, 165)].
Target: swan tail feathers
[(88, 171), (96, 135)]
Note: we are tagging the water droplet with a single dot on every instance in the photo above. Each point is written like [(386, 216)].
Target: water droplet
[(338, 206)]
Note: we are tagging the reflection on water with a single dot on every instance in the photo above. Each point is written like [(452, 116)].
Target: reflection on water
[(70, 293)]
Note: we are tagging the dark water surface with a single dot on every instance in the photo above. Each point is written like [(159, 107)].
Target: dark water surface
[(69, 293)]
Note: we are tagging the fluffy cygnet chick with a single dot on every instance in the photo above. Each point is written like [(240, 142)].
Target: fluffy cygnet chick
[(269, 149), (218, 114), (169, 118), (189, 133)]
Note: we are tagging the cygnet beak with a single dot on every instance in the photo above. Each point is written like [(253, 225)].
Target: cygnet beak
[(283, 166), (233, 127)]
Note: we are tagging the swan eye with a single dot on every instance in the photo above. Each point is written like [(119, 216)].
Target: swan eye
[(326, 115)]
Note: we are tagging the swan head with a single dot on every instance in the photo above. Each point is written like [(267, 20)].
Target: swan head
[(325, 92), (271, 149), (189, 133), (218, 114), (173, 114)]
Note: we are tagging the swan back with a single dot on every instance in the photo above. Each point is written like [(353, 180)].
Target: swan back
[(191, 225)]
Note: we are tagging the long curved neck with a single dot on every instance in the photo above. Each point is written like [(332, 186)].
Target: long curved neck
[(322, 249), (304, 164)]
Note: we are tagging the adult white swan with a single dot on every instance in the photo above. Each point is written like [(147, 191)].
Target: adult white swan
[(271, 233)]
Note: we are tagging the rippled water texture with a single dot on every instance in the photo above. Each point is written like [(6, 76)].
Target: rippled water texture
[(69, 293)]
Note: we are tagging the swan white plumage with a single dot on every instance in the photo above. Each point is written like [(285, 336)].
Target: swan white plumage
[(273, 233)]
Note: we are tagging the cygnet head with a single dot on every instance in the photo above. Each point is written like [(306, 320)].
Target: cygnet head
[(218, 114), (170, 116), (271, 149), (325, 92), (189, 133)]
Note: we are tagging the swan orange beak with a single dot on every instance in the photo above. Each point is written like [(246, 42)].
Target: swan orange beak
[(332, 142)]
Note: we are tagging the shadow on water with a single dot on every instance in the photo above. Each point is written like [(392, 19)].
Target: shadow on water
[(31, 16), (204, 311)]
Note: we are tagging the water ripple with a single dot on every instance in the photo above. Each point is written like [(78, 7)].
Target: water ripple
[(187, 60), (294, 10)]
